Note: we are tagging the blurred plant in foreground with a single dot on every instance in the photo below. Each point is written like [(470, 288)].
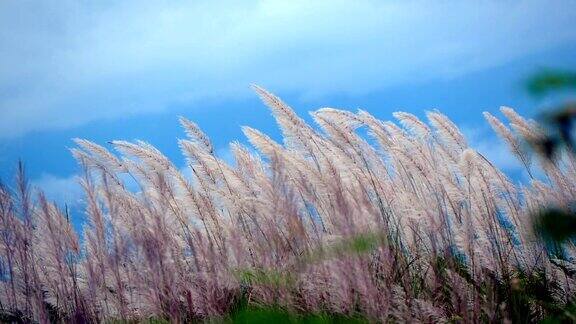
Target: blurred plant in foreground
[(555, 140)]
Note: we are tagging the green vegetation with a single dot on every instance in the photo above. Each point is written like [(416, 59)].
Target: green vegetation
[(550, 81)]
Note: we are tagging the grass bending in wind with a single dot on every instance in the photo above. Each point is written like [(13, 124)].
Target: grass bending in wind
[(412, 226)]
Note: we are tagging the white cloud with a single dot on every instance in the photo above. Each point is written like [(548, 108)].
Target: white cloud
[(67, 63), (62, 190)]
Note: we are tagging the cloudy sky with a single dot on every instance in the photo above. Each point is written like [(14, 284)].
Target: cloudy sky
[(107, 70)]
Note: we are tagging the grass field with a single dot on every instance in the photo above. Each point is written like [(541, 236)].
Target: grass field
[(409, 225)]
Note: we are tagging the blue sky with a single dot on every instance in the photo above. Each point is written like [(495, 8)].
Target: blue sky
[(105, 70)]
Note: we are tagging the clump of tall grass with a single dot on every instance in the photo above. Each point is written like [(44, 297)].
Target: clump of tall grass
[(419, 227)]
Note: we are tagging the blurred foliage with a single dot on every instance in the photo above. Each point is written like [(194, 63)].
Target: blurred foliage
[(560, 124), (567, 315), (266, 277), (245, 312), (150, 320), (357, 244), (556, 224), (558, 120), (277, 315), (548, 81)]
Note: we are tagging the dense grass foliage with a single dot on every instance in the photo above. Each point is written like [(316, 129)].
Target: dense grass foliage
[(324, 227)]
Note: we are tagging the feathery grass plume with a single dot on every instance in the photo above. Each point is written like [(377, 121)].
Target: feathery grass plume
[(97, 155), (416, 226), (58, 253), (412, 124), (513, 144), (297, 134), (376, 128), (447, 130), (194, 133), (527, 128)]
